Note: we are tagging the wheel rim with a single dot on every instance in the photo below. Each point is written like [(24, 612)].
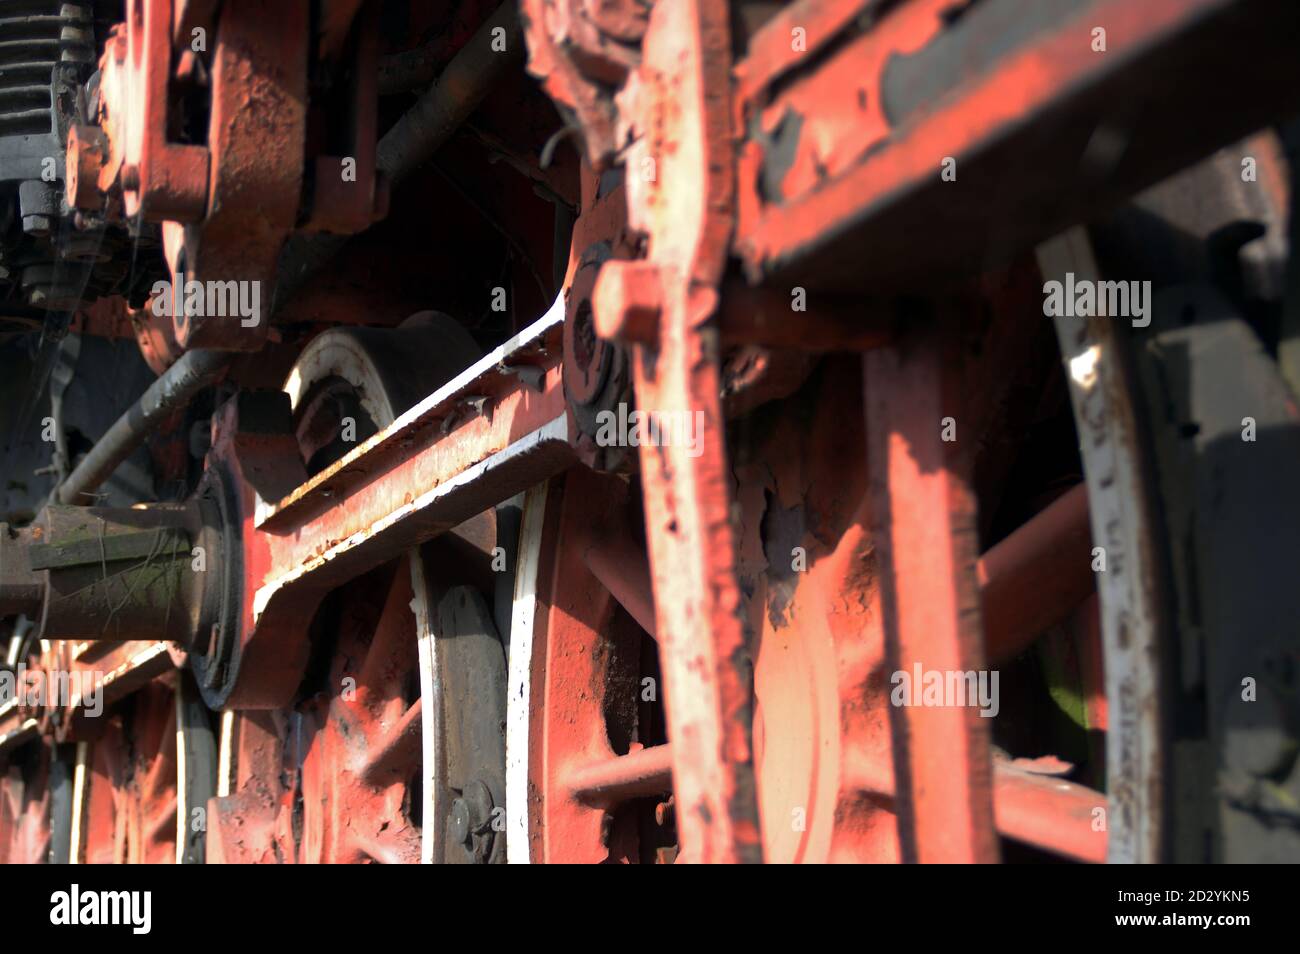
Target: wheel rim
[(588, 769), (822, 733)]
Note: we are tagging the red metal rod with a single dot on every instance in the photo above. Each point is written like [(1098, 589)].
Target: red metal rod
[(496, 429), (1036, 576), (624, 570), (620, 777), (400, 505), (686, 484), (1029, 581), (925, 534), (1050, 813), (1038, 810), (395, 752)]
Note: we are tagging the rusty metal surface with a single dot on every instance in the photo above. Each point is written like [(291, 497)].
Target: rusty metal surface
[(716, 688), (24, 810), (580, 666), (256, 138), (807, 567), (924, 517), (158, 178), (349, 198), (230, 200), (853, 165), (477, 440), (520, 371), (250, 818), (681, 125), (580, 59), (358, 750), (128, 796)]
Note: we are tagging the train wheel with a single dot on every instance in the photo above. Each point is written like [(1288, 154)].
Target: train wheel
[(399, 747), (589, 777), (360, 769), (142, 787), (814, 566)]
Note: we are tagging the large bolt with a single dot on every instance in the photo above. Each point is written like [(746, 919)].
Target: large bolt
[(458, 824), (471, 816), (479, 799)]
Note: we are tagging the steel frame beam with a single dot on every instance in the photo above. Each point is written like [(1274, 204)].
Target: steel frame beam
[(842, 184)]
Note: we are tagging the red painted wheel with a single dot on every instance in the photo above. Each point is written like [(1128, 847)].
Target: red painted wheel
[(142, 786), (825, 684), (589, 773), (589, 778), (361, 757), (397, 748), (25, 806)]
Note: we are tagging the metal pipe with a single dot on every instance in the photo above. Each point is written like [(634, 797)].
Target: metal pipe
[(620, 777), (1045, 811), (470, 75), (1049, 813), (1036, 576), (174, 389), (623, 568)]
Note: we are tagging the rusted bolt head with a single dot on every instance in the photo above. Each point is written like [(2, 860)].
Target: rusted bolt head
[(478, 798), (627, 301)]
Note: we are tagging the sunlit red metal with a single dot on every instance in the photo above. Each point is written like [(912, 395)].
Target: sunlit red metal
[(793, 563), (924, 516)]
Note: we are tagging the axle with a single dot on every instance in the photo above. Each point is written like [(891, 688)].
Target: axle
[(103, 573)]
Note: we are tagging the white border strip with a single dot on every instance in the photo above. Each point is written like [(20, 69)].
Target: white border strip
[(522, 622)]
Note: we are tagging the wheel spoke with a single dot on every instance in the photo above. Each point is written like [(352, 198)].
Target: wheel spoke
[(1037, 576), (394, 755), (620, 777), (623, 569), (1050, 813), (392, 651), (390, 846), (1039, 810), (160, 829)]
